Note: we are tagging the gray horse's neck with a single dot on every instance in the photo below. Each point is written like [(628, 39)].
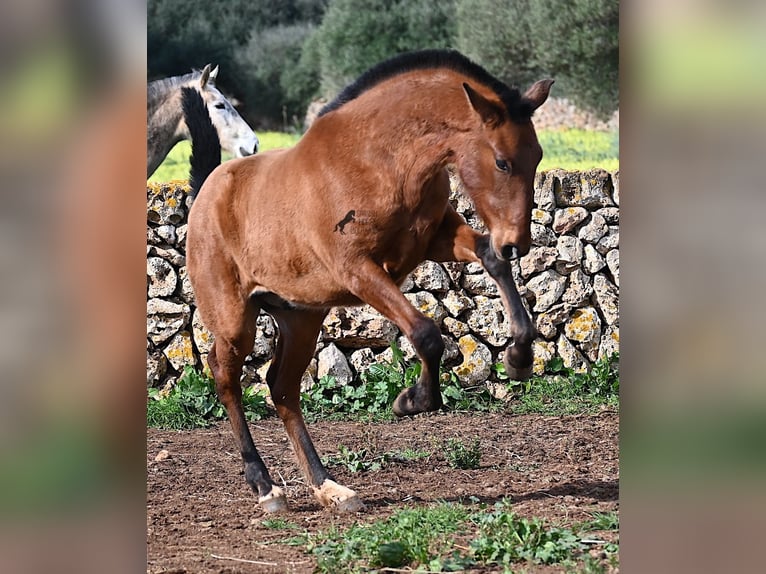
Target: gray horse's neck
[(165, 126)]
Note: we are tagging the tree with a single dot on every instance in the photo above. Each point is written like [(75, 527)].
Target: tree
[(357, 34)]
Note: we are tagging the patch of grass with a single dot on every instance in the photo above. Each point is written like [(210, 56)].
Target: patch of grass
[(571, 149), (355, 460), (176, 164), (461, 455), (602, 521), (416, 536), (504, 538), (193, 403), (563, 391), (278, 524), (579, 150), (448, 537)]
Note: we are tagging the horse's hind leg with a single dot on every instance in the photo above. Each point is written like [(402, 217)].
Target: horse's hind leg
[(298, 331), (225, 359)]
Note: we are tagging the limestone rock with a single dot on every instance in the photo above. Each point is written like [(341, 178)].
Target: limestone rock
[(592, 189), (407, 285), (594, 230), (547, 322), (538, 259), (610, 342), (616, 183), (611, 215), (477, 362), (610, 241), (431, 277), (156, 367), (572, 358), (331, 362), (166, 204), (585, 327), (570, 252), (593, 262), (456, 328), (180, 351), (186, 291), (613, 262), (607, 297), (566, 219), (167, 233), (164, 319), (542, 217), (361, 359), (579, 289), (480, 285), (358, 327), (488, 321), (544, 351), (162, 277), (202, 337), (456, 302), (544, 197), (265, 336), (427, 304), (548, 287), (542, 235)]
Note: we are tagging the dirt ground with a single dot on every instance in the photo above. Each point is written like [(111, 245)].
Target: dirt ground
[(203, 518)]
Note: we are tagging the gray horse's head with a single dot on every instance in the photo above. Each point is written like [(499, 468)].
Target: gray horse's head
[(235, 135)]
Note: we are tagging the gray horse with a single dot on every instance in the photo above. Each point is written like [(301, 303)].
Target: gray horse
[(165, 119)]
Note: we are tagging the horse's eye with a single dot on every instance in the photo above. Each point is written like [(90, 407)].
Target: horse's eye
[(220, 106), (501, 164)]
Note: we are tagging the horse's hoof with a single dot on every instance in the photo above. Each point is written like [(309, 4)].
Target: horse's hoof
[(338, 498), (518, 374), (406, 404), (274, 502)]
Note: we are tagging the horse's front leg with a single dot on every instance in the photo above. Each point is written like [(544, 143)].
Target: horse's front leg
[(457, 241)]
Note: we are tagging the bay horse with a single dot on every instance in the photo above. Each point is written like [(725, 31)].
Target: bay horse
[(342, 217), (166, 125)]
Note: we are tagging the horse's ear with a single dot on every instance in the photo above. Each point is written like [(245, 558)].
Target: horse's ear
[(205, 77), (491, 114), (538, 93), (213, 75)]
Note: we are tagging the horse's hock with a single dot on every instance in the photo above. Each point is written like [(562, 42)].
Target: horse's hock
[(569, 280)]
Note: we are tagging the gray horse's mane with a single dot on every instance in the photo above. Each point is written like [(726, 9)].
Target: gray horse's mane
[(158, 90)]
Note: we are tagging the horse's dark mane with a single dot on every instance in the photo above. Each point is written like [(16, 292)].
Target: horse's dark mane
[(518, 109), (206, 146)]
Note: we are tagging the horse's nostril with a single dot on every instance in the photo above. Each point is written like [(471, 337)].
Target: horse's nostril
[(509, 252)]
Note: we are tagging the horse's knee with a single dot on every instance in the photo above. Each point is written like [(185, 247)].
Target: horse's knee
[(427, 340)]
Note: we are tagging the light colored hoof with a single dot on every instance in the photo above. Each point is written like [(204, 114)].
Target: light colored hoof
[(274, 502), (338, 498)]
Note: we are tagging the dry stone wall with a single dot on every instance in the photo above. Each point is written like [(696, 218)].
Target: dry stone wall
[(569, 281)]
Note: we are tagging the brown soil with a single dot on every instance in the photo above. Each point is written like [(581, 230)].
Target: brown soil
[(203, 518)]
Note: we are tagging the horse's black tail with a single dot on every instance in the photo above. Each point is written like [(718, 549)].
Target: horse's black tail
[(206, 147)]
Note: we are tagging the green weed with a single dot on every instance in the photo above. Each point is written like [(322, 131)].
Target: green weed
[(193, 403), (461, 455), (504, 538), (602, 521), (355, 461), (449, 537), (278, 524), (423, 536), (563, 391)]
